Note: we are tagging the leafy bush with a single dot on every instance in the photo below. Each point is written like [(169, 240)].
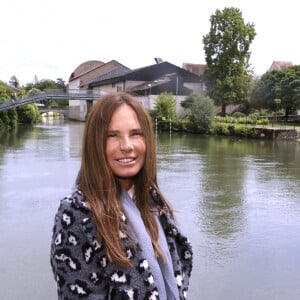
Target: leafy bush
[(28, 114), (233, 130), (9, 118), (164, 111), (238, 114), (252, 119), (200, 113), (219, 129)]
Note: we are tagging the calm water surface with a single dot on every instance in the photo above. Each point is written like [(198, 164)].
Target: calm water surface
[(237, 200)]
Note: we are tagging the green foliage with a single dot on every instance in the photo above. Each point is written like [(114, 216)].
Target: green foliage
[(200, 113), (5, 92), (238, 114), (61, 102), (14, 82), (165, 106), (43, 85), (264, 90), (252, 119), (227, 75), (219, 129), (60, 83), (233, 130), (288, 90), (243, 131), (4, 119), (47, 84), (8, 118), (283, 85), (28, 114), (33, 91), (187, 102)]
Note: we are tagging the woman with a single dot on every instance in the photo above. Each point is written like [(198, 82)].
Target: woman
[(115, 237)]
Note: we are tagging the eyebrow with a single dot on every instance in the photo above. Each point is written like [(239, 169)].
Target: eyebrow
[(131, 131)]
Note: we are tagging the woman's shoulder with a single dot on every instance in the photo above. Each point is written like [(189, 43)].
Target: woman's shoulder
[(74, 204), (73, 213)]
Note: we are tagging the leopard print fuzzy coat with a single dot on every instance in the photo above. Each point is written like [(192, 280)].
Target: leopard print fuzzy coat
[(82, 270)]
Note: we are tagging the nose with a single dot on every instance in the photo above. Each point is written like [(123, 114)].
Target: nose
[(125, 144)]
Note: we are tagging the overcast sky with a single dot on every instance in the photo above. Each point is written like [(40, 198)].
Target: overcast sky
[(51, 38)]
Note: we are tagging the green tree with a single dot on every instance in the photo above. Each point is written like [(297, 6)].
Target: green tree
[(5, 92), (288, 90), (14, 82), (200, 112), (227, 75), (264, 91), (165, 106), (33, 92), (47, 84), (164, 111), (61, 83), (278, 84), (28, 114), (8, 118)]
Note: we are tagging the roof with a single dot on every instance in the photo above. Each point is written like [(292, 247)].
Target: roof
[(166, 83), (197, 69), (148, 73), (280, 65), (96, 70), (85, 67), (110, 74)]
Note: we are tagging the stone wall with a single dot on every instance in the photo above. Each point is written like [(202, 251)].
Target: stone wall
[(278, 134)]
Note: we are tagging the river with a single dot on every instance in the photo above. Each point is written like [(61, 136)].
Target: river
[(237, 200)]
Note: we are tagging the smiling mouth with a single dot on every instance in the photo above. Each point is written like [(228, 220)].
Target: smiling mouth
[(125, 160)]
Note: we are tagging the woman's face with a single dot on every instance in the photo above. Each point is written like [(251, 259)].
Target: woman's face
[(125, 147)]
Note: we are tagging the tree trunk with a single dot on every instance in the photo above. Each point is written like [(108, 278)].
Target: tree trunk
[(223, 110), (286, 115)]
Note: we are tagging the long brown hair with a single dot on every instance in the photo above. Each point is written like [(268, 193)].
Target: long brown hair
[(100, 187)]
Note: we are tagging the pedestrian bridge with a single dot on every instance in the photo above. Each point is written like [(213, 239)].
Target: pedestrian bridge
[(62, 110), (51, 95)]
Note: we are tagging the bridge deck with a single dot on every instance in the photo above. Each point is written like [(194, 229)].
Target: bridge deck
[(50, 95)]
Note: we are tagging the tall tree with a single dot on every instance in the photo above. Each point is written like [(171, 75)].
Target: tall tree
[(60, 83), (278, 84), (264, 90), (227, 76), (14, 82), (288, 90)]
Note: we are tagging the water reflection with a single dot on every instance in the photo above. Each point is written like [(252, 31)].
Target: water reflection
[(238, 201), (15, 138), (75, 138)]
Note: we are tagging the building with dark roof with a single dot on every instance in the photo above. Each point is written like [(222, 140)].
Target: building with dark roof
[(145, 83)]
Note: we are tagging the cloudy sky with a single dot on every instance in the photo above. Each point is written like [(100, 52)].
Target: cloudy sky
[(51, 38)]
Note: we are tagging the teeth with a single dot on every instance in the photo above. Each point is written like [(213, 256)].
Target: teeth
[(125, 160)]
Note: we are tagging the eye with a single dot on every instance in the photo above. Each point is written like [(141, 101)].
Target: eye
[(112, 134), (137, 133)]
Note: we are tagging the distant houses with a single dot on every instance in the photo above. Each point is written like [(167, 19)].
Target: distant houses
[(145, 83)]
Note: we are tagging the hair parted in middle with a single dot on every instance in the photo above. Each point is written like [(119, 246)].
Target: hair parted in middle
[(101, 188)]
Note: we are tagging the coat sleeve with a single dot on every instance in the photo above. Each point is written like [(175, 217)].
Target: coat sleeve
[(76, 258)]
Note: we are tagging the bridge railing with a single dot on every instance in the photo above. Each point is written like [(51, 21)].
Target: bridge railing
[(52, 94)]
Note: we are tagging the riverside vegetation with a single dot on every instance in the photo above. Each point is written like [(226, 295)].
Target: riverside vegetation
[(228, 80), (198, 115), (29, 113)]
